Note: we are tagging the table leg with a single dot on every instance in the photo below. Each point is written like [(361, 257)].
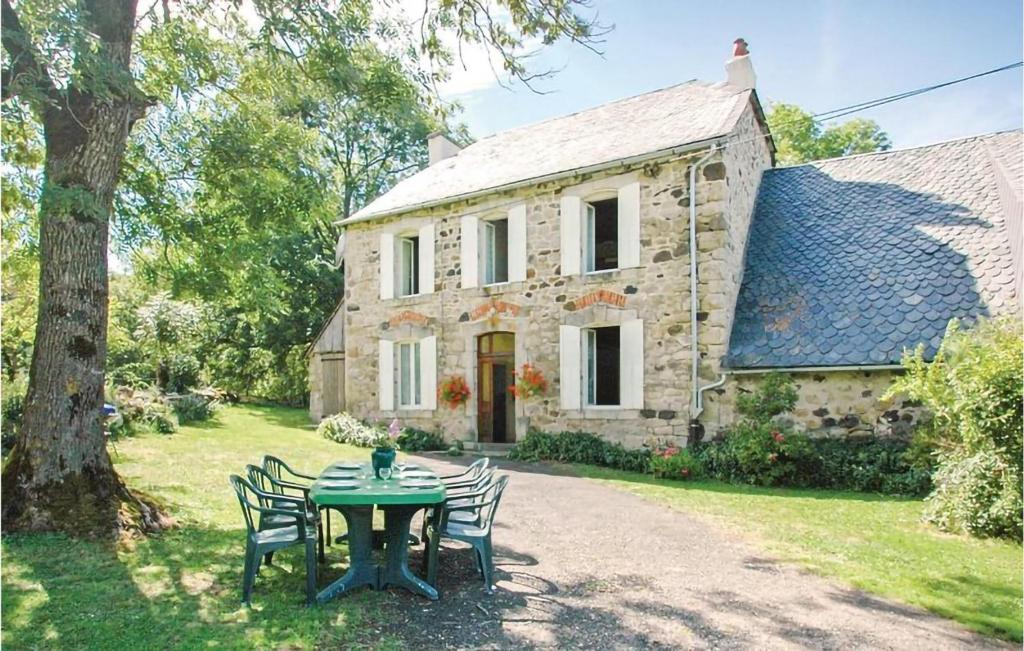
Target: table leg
[(397, 519), (361, 570)]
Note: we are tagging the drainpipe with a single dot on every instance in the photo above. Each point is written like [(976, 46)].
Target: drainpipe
[(697, 401)]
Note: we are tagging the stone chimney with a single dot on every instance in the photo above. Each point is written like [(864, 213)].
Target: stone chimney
[(440, 147), (739, 71)]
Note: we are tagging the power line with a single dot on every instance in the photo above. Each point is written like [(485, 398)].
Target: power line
[(862, 106)]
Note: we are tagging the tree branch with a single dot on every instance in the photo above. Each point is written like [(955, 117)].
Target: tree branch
[(25, 62)]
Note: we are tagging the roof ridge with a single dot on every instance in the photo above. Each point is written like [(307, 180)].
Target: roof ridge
[(563, 116), (977, 136)]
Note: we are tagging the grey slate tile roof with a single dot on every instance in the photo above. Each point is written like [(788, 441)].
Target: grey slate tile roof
[(852, 260), (663, 119)]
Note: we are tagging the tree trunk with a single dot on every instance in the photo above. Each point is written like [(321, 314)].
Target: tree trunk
[(59, 476)]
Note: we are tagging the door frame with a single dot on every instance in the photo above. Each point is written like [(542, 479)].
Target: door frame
[(488, 360), (471, 330)]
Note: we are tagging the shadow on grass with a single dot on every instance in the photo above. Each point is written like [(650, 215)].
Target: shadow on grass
[(178, 590)]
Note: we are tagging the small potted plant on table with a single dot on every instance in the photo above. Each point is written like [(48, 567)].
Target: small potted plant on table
[(384, 448)]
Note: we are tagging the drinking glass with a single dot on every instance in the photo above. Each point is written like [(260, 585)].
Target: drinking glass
[(385, 473)]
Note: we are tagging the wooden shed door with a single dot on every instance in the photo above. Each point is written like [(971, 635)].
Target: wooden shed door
[(334, 384), (496, 412)]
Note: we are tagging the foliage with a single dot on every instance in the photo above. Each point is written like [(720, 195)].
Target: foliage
[(671, 462), (579, 447), (760, 453), (11, 410), (141, 410), (973, 388), (417, 440), (799, 138), (194, 408), (529, 382), (868, 464), (346, 428), (388, 440), (453, 391), (873, 543), (775, 394)]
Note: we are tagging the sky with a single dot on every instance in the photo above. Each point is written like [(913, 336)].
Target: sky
[(820, 55)]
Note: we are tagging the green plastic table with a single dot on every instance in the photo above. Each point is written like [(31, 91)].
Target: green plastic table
[(399, 503)]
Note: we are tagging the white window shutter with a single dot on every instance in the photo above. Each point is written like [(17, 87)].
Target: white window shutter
[(428, 371), (427, 259), (387, 265), (386, 375), (631, 361), (629, 226), (569, 353), (570, 227), (517, 243), (470, 251)]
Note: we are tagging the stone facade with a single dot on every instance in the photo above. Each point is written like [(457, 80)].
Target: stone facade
[(657, 292)]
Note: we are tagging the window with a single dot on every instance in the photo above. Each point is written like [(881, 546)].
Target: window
[(495, 251), (408, 266), (602, 366), (410, 393), (601, 233)]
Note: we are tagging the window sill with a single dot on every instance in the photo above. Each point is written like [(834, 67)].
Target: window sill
[(602, 412), (605, 275), (501, 288), (415, 412), (411, 298)]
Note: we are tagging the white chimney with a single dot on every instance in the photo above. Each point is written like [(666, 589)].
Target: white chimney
[(440, 148), (739, 71)]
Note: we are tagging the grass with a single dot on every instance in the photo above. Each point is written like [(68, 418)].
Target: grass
[(180, 590), (874, 543)]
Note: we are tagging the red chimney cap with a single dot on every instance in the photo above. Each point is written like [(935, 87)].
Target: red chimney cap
[(740, 48)]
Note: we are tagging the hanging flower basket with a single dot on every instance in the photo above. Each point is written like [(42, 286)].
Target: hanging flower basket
[(530, 382), (453, 391)]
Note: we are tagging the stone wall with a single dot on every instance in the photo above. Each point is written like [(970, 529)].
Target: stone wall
[(657, 292), (830, 403)]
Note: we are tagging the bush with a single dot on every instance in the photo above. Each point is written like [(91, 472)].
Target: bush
[(579, 447), (139, 409), (13, 407), (346, 428), (675, 463), (979, 495), (761, 454), (775, 394), (973, 389), (136, 375), (418, 440), (193, 408), (869, 465)]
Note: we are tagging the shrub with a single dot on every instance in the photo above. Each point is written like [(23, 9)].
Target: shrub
[(973, 389), (142, 410), (418, 440), (579, 447), (193, 408), (762, 454), (675, 463), (979, 494), (13, 407), (775, 394), (346, 428), (869, 465)]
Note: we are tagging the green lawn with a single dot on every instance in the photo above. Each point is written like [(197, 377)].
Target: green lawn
[(181, 589), (871, 542)]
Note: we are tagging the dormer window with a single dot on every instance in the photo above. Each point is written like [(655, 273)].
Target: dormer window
[(408, 266), (601, 233)]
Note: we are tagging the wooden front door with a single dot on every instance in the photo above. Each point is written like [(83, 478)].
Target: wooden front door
[(333, 383), (496, 407)]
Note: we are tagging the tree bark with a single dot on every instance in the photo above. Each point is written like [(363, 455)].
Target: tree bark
[(59, 475)]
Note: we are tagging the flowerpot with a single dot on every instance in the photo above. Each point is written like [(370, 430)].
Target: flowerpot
[(382, 458)]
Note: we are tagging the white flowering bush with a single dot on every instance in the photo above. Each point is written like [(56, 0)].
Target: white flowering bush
[(346, 428)]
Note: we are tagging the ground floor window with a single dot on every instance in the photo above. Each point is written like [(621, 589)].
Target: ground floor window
[(603, 366), (410, 392)]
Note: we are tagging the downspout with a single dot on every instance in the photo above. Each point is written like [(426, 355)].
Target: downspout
[(697, 400)]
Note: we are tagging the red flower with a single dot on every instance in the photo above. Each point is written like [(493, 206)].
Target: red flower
[(777, 435), (685, 472)]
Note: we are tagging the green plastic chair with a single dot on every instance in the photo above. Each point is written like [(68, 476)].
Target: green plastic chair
[(259, 543), (458, 495), (279, 499), (285, 475), (482, 507), (467, 476)]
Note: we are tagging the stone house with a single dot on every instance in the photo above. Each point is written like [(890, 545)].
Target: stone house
[(649, 259)]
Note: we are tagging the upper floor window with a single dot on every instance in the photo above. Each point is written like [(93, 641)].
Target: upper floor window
[(495, 251), (601, 235), (493, 247), (409, 266), (600, 226), (407, 262)]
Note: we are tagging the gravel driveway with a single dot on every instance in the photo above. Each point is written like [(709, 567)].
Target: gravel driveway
[(581, 564)]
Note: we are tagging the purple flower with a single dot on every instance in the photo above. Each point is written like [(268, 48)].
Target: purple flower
[(393, 429)]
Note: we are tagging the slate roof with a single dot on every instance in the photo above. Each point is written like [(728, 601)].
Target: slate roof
[(852, 260), (672, 117)]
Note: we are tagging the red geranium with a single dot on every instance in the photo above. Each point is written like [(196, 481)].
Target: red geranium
[(453, 391), (529, 382)]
